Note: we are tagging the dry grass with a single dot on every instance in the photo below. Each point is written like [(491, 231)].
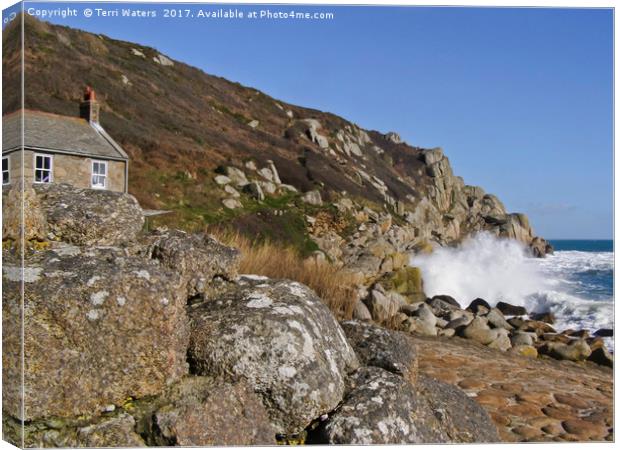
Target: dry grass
[(333, 285)]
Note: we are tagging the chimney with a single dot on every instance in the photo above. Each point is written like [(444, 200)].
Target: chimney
[(89, 107)]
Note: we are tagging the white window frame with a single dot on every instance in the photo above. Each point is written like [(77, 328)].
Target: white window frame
[(93, 174), (51, 169), (8, 171)]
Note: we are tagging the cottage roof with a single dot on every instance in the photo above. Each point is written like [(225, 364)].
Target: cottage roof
[(58, 134)]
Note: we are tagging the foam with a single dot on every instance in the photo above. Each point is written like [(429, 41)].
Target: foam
[(573, 285)]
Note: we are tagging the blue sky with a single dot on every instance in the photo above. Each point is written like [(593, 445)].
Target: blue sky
[(520, 99)]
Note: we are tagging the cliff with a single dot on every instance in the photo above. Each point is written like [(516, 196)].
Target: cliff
[(181, 126)]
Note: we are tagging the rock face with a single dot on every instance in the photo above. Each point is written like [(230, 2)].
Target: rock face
[(377, 410), (201, 411), (281, 339), (450, 416), (379, 347), (89, 216), (197, 258), (34, 221), (100, 326), (382, 408)]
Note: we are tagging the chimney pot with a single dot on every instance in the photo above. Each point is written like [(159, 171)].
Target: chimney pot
[(89, 107)]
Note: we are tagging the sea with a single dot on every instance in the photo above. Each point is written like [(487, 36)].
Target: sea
[(575, 282)]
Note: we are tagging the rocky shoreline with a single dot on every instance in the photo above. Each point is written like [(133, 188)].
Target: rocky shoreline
[(137, 338)]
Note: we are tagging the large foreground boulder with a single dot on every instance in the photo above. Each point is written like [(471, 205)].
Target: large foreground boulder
[(99, 326), (89, 216), (280, 338)]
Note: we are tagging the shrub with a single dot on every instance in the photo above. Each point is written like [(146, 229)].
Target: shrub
[(333, 285)]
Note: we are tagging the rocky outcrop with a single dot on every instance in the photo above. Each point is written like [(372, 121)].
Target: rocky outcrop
[(100, 326), (281, 339), (21, 210), (202, 411), (379, 347), (89, 217), (197, 258), (382, 408), (377, 410)]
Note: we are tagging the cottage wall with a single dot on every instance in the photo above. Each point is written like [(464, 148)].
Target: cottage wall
[(74, 170)]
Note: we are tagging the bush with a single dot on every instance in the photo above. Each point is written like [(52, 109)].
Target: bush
[(333, 285)]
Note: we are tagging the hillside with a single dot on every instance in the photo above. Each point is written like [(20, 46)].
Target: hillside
[(180, 126)]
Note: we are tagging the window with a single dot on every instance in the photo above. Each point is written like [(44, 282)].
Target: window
[(6, 176), (42, 168), (100, 172)]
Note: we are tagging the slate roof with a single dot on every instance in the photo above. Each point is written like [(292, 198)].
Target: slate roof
[(58, 134)]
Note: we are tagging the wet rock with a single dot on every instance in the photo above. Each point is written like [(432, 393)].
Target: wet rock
[(511, 310), (391, 350), (198, 258), (280, 338), (604, 332), (442, 308), (90, 217), (201, 411), (547, 317), (101, 327), (479, 306), (602, 356), (535, 326), (445, 299)]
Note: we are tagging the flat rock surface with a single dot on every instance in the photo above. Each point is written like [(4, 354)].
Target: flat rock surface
[(531, 400)]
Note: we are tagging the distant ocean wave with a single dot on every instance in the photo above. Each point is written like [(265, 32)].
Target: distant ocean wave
[(576, 285)]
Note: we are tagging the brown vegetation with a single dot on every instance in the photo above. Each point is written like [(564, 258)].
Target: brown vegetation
[(333, 285)]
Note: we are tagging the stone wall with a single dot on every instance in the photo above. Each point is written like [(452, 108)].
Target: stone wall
[(75, 170)]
